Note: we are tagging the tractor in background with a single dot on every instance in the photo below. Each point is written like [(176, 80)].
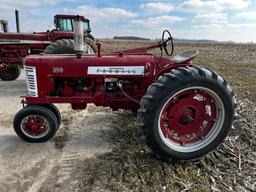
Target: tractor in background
[(15, 46)]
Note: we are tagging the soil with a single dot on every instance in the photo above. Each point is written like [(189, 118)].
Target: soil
[(49, 166)]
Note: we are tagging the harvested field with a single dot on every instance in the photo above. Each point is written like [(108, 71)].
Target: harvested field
[(232, 167), (101, 150)]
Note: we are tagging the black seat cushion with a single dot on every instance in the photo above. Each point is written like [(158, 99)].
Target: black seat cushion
[(184, 56)]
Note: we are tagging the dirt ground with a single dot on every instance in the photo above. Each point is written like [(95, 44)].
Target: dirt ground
[(130, 166), (49, 166)]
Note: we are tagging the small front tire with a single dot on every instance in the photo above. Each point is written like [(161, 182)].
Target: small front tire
[(10, 72), (35, 124), (55, 111)]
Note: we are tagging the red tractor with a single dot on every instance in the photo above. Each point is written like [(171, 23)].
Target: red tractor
[(15, 46), (183, 110)]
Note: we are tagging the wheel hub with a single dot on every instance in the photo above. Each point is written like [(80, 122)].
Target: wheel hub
[(8, 70), (34, 126), (184, 116), (188, 117)]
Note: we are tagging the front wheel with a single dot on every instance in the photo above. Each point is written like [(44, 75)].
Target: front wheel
[(187, 113), (10, 72), (35, 123), (55, 111)]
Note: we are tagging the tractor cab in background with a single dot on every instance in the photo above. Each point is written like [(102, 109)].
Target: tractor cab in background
[(65, 23), (15, 46)]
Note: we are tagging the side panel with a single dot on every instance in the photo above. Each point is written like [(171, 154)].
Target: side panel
[(132, 69), (91, 66)]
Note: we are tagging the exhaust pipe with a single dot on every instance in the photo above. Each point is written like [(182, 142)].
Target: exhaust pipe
[(78, 37), (4, 25), (17, 21)]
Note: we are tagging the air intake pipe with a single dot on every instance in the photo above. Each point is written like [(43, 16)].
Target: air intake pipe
[(4, 25), (78, 37)]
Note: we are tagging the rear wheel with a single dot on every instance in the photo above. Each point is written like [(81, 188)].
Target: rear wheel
[(187, 113), (66, 46), (90, 42), (10, 72), (35, 124)]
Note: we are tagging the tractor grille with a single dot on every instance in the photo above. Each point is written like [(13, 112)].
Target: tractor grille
[(31, 81)]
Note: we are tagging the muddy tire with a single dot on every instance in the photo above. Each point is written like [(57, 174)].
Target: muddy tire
[(10, 73), (66, 46), (35, 124), (186, 113)]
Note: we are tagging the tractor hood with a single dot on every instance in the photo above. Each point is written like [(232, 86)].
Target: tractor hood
[(109, 65), (14, 37), (30, 38)]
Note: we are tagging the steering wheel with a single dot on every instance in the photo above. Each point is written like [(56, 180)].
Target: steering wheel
[(167, 42)]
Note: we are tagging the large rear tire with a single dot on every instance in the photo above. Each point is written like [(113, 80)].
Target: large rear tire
[(186, 113), (66, 46), (10, 72), (90, 42)]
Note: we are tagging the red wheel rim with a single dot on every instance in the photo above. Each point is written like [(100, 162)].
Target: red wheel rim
[(8, 71), (35, 126), (190, 116)]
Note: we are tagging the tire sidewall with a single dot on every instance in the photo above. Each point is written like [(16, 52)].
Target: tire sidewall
[(55, 111), (41, 111), (91, 42), (15, 74), (66, 46), (226, 100)]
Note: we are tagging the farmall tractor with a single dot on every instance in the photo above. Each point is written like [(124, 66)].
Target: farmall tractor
[(183, 110), (15, 46)]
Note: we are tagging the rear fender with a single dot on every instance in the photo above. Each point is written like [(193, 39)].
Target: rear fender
[(171, 67)]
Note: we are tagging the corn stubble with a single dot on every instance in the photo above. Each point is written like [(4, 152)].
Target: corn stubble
[(231, 167)]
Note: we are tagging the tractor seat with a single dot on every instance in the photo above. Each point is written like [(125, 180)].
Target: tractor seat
[(184, 56)]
